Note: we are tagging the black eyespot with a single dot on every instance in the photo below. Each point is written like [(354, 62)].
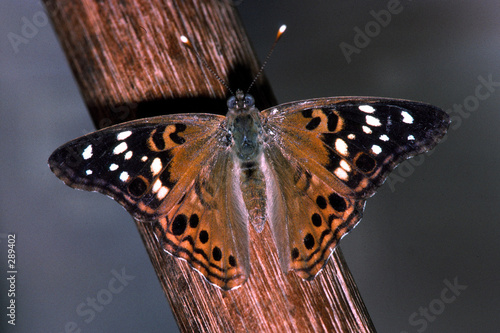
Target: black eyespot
[(194, 220), (337, 202), (316, 219), (216, 254), (179, 224), (321, 202), (232, 261), (203, 236), (309, 241)]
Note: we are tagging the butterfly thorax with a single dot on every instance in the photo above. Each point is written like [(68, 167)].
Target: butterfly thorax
[(245, 129), (243, 121)]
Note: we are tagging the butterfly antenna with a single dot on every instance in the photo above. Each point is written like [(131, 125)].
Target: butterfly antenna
[(281, 30), (187, 42)]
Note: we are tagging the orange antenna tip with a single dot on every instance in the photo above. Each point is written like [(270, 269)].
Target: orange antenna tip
[(186, 41), (281, 30)]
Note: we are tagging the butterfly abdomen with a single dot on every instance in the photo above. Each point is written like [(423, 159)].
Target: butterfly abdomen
[(253, 188)]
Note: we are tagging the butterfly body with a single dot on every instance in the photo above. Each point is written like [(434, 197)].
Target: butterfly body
[(304, 167), (245, 129)]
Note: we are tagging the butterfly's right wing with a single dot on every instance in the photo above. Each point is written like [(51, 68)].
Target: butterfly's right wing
[(326, 156), (175, 171)]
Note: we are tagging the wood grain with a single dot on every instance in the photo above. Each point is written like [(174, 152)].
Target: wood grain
[(129, 63)]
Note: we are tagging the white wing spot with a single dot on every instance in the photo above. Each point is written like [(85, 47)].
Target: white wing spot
[(157, 185), (407, 118), (376, 149), (156, 166), (384, 137), (144, 158), (88, 172), (372, 121), (366, 108), (341, 173), (87, 152), (128, 155), (341, 147), (411, 137), (162, 193), (274, 111), (351, 136), (113, 167), (124, 176), (344, 165), (123, 135), (120, 148), (366, 129)]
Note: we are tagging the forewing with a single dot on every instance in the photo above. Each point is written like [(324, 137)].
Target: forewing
[(138, 163), (354, 142)]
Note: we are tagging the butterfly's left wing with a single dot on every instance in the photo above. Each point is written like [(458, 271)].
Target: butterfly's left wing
[(174, 171), (326, 157)]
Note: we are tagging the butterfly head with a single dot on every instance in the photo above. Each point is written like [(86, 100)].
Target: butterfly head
[(244, 125), (240, 101)]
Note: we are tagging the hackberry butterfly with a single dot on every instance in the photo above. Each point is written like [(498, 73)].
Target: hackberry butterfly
[(306, 167)]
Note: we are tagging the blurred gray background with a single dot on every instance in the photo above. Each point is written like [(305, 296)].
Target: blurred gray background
[(433, 225)]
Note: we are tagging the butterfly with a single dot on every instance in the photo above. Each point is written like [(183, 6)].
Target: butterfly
[(305, 167)]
